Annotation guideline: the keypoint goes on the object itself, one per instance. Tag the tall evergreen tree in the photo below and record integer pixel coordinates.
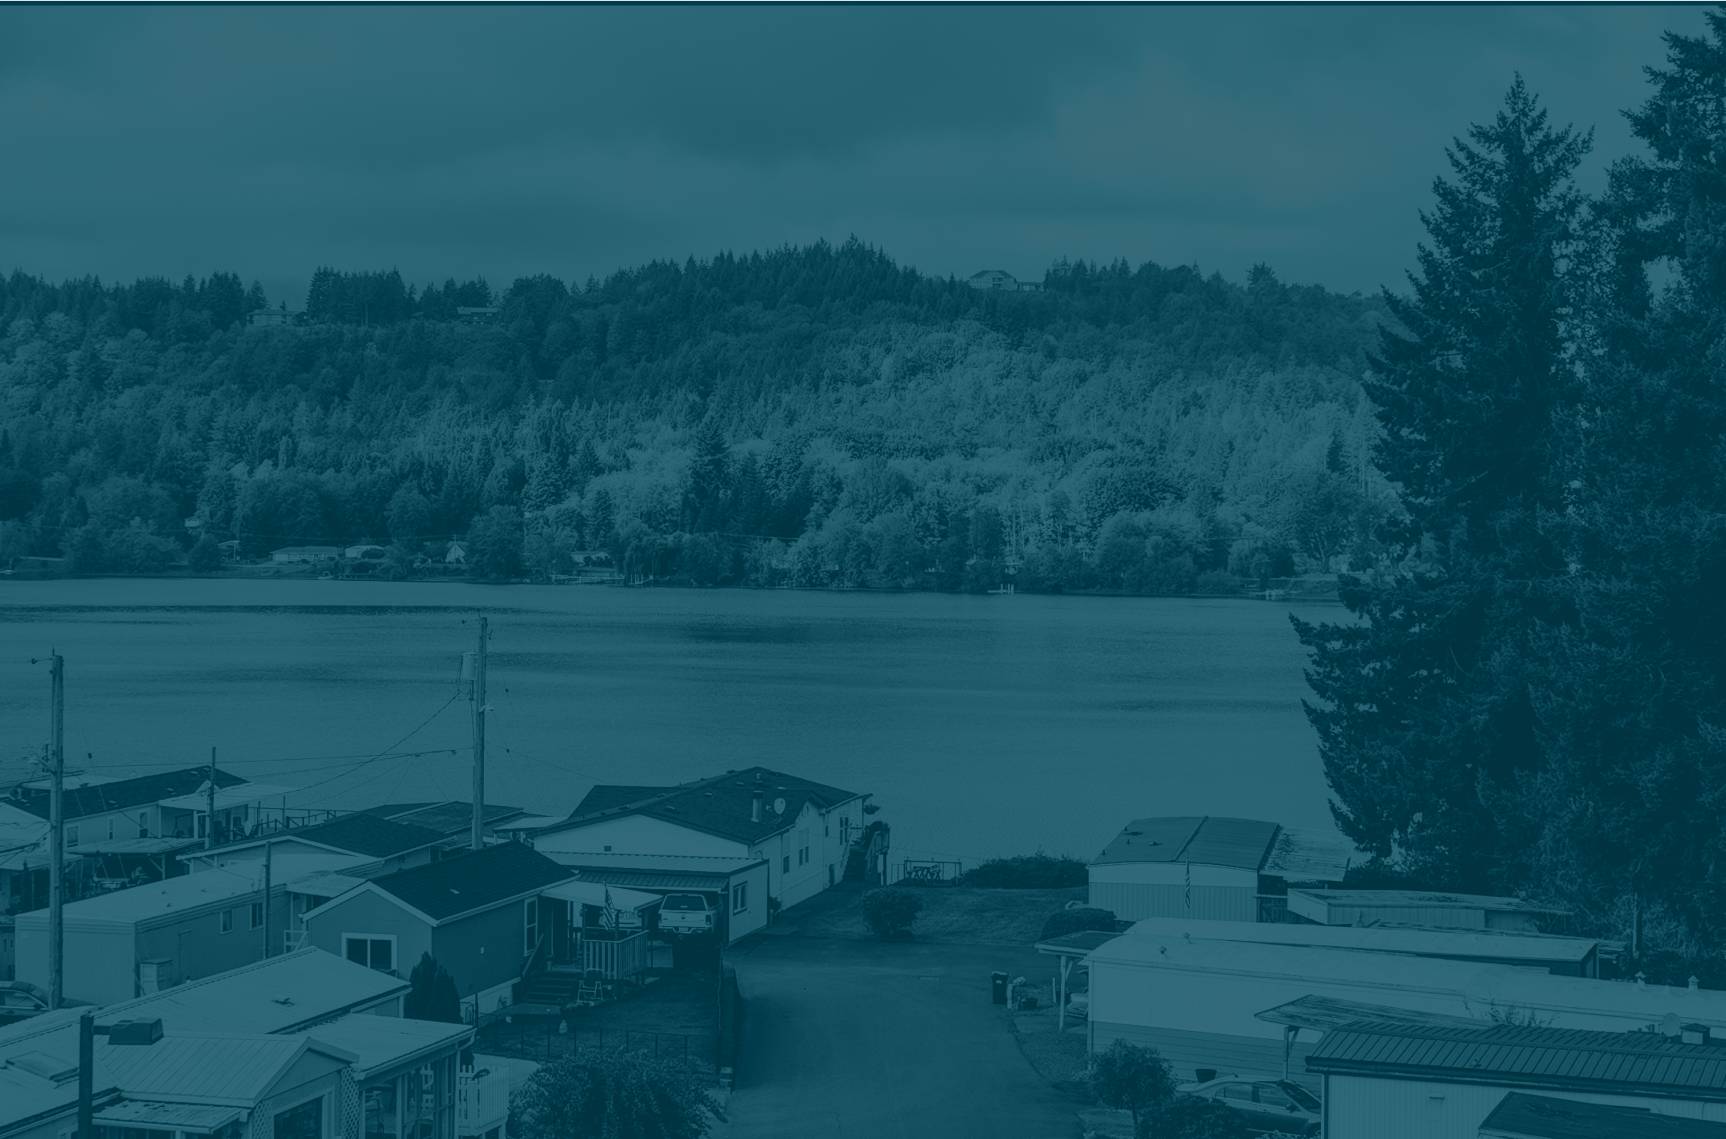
(1423, 713)
(1633, 704)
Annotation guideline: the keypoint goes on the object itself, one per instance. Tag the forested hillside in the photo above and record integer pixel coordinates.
(811, 416)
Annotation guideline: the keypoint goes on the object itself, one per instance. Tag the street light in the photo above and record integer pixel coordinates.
(134, 1032)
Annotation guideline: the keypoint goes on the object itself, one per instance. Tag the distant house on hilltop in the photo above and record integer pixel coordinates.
(476, 313)
(1001, 281)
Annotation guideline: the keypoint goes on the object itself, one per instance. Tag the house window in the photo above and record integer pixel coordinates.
(803, 848)
(143, 824)
(110, 826)
(739, 897)
(530, 925)
(257, 915)
(374, 951)
(71, 834)
(227, 921)
(303, 1122)
(785, 864)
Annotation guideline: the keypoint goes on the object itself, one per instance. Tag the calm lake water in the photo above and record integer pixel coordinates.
(983, 725)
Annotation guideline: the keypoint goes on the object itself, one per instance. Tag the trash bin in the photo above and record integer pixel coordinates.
(998, 984)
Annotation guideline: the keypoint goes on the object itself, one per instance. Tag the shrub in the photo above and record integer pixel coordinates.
(1189, 1117)
(891, 912)
(1063, 922)
(1131, 1078)
(610, 1095)
(1027, 872)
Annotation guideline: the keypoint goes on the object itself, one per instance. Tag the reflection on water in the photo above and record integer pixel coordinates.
(983, 725)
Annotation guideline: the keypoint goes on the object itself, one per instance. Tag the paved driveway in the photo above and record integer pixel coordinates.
(856, 1038)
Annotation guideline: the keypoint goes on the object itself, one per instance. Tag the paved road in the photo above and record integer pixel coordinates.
(853, 1038)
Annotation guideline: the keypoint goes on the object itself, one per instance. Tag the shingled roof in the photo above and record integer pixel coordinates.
(721, 805)
(1610, 1063)
(122, 794)
(472, 881)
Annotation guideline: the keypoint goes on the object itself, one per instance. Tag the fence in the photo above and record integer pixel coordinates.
(926, 872)
(548, 1040)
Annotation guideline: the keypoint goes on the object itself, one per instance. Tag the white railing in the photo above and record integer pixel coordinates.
(293, 939)
(482, 1102)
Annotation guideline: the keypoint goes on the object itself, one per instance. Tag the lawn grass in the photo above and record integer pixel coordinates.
(953, 915)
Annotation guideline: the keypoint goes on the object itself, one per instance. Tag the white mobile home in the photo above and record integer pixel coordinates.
(1418, 907)
(1211, 868)
(1199, 1002)
(134, 941)
(1564, 956)
(1441, 1082)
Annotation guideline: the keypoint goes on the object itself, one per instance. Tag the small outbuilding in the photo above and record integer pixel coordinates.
(1210, 867)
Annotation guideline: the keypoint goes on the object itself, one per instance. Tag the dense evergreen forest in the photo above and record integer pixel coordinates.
(811, 416)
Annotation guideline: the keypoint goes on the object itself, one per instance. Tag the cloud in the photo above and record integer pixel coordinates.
(505, 140)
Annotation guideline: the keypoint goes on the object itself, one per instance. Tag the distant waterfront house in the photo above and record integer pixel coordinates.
(478, 913)
(367, 552)
(304, 555)
(271, 318)
(1210, 867)
(802, 829)
(128, 829)
(477, 313)
(455, 554)
(149, 937)
(1439, 1082)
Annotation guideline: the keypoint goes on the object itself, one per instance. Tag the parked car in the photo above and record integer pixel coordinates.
(19, 1001)
(1266, 1104)
(686, 913)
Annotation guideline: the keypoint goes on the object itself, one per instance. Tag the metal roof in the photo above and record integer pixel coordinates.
(379, 1043)
(275, 995)
(592, 893)
(1426, 899)
(1206, 841)
(236, 796)
(721, 864)
(1607, 1063)
(1305, 854)
(1326, 1013)
(218, 1068)
(169, 1116)
(1075, 944)
(1522, 1116)
(1463, 944)
(165, 900)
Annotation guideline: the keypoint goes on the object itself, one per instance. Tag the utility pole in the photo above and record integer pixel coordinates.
(268, 847)
(57, 838)
(210, 809)
(478, 837)
(86, 1076)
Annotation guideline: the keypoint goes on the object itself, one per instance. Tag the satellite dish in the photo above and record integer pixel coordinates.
(779, 806)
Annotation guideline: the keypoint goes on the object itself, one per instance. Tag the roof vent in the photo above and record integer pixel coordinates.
(136, 1032)
(283, 1001)
(1694, 983)
(1694, 1034)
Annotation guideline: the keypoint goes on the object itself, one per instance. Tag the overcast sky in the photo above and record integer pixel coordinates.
(500, 141)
